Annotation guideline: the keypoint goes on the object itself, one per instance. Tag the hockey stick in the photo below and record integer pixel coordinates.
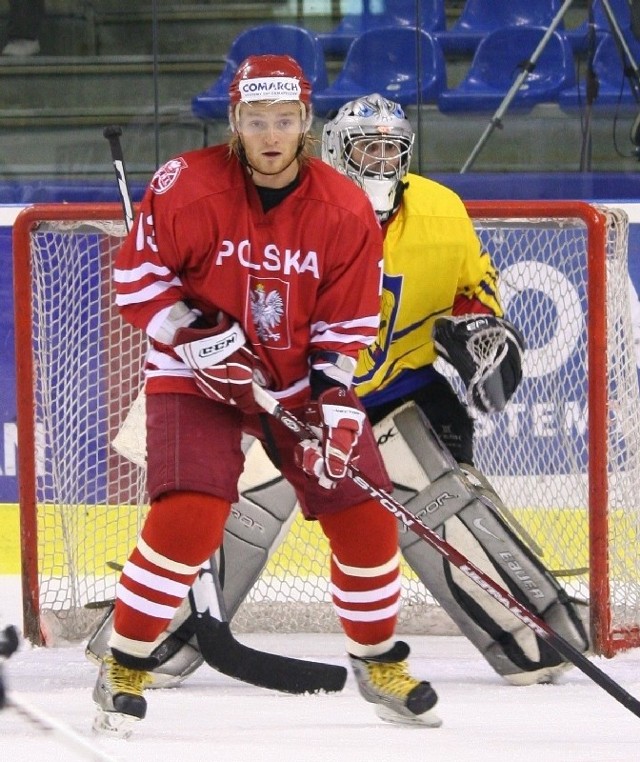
(222, 651)
(63, 733)
(209, 622)
(112, 133)
(217, 643)
(9, 642)
(498, 593)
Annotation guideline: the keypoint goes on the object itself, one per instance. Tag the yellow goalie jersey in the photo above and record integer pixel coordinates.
(433, 266)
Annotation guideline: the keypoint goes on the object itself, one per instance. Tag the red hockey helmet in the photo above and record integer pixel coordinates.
(269, 78)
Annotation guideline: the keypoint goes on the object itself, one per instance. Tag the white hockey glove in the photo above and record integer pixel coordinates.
(487, 352)
(224, 367)
(340, 425)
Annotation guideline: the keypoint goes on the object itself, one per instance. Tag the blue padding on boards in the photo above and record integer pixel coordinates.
(605, 186)
(56, 191)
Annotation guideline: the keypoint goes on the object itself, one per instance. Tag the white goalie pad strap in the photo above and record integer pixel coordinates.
(430, 484)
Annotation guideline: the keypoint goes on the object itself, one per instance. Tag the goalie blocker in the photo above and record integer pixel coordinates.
(456, 501)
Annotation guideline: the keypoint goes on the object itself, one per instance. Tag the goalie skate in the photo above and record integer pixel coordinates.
(118, 697)
(544, 676)
(399, 698)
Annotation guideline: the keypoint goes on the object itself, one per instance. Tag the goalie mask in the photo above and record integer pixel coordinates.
(370, 140)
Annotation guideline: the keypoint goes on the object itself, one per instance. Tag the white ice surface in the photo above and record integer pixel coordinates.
(212, 717)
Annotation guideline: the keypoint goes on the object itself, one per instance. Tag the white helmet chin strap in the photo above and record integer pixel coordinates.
(382, 194)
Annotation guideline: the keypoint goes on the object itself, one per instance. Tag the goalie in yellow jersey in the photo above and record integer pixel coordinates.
(440, 299)
(440, 293)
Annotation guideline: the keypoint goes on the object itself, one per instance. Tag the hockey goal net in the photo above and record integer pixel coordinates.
(564, 456)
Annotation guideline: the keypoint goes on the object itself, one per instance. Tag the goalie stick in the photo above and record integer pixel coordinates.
(476, 575)
(218, 646)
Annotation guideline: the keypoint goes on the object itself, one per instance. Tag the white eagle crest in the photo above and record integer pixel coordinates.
(267, 309)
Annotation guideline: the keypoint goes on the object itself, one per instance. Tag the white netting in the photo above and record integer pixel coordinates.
(87, 368)
(537, 453)
(91, 500)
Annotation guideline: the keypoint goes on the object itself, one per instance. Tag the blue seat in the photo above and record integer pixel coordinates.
(613, 86)
(479, 17)
(385, 61)
(431, 18)
(260, 40)
(622, 13)
(498, 62)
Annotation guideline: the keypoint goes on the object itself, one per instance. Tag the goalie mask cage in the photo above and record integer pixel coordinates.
(564, 456)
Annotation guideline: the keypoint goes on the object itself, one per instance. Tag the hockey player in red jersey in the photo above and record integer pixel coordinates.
(254, 261)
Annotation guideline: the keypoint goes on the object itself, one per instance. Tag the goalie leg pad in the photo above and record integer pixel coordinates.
(258, 523)
(177, 654)
(430, 484)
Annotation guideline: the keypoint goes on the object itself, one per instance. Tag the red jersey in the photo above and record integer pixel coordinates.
(303, 277)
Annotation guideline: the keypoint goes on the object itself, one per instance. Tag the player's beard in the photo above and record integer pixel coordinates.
(257, 162)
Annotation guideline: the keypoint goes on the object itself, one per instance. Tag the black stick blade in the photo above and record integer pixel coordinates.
(224, 653)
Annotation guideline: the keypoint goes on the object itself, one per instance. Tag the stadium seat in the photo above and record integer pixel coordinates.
(499, 61)
(622, 13)
(385, 61)
(431, 18)
(259, 40)
(613, 85)
(479, 17)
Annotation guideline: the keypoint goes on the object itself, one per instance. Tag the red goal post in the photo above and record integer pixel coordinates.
(564, 456)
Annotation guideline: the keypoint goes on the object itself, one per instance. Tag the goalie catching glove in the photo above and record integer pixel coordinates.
(340, 426)
(224, 367)
(487, 353)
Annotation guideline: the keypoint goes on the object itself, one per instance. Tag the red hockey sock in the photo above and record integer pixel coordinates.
(365, 572)
(181, 531)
